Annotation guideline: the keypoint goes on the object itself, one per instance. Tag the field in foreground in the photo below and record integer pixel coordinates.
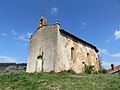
(60, 81)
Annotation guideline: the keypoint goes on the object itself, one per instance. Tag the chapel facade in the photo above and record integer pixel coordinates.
(54, 49)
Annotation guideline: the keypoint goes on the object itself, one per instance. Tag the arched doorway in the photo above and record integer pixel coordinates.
(39, 63)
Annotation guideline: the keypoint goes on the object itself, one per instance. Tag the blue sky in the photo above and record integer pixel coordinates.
(96, 21)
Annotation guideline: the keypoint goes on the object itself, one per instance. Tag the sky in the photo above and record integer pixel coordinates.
(95, 21)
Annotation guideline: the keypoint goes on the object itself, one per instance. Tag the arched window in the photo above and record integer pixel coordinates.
(87, 54)
(41, 20)
(72, 53)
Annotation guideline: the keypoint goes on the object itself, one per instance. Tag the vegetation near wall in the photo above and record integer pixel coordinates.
(60, 81)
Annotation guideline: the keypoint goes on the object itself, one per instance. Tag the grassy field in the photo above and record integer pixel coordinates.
(60, 81)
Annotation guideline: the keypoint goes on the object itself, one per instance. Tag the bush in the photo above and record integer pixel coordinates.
(119, 72)
(52, 72)
(70, 71)
(103, 71)
(88, 69)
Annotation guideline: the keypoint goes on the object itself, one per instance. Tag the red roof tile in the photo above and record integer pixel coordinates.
(117, 68)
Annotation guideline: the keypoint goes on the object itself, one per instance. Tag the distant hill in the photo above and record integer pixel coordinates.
(8, 67)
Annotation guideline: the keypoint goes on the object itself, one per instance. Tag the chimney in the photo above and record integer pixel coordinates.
(112, 66)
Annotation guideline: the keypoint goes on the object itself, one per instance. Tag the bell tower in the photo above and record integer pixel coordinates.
(43, 21)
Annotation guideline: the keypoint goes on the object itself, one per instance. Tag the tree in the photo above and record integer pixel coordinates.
(100, 59)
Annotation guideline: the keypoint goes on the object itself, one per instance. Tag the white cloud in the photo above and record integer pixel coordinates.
(13, 32)
(6, 59)
(23, 37)
(119, 26)
(83, 24)
(108, 64)
(28, 34)
(109, 39)
(106, 52)
(4, 34)
(21, 45)
(54, 11)
(117, 34)
(103, 51)
(116, 55)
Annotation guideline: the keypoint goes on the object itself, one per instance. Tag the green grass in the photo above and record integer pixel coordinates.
(59, 81)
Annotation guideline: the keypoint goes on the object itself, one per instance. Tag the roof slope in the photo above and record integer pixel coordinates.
(76, 38)
(116, 69)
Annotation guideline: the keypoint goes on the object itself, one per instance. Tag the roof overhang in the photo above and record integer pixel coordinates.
(78, 39)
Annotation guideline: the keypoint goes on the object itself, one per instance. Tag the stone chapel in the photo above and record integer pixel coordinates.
(54, 49)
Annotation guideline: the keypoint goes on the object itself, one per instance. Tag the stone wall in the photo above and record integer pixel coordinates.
(43, 41)
(55, 49)
(84, 54)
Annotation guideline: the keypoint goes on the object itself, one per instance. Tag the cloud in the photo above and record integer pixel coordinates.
(116, 55)
(4, 34)
(6, 59)
(119, 26)
(117, 34)
(21, 45)
(83, 24)
(28, 34)
(54, 11)
(103, 51)
(13, 32)
(106, 52)
(109, 39)
(108, 64)
(23, 37)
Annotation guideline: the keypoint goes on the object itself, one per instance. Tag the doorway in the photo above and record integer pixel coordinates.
(39, 64)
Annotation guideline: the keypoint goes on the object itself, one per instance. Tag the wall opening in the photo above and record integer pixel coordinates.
(87, 54)
(39, 63)
(83, 62)
(88, 58)
(41, 21)
(72, 53)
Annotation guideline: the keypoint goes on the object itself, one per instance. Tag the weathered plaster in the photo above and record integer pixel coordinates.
(81, 50)
(56, 47)
(44, 40)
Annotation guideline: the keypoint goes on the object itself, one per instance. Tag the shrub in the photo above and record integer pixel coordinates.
(103, 71)
(119, 72)
(70, 71)
(52, 72)
(88, 69)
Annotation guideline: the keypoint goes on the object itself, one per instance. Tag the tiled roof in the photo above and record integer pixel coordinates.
(117, 68)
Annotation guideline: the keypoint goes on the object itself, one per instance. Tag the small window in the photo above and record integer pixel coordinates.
(83, 62)
(87, 54)
(41, 20)
(72, 53)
